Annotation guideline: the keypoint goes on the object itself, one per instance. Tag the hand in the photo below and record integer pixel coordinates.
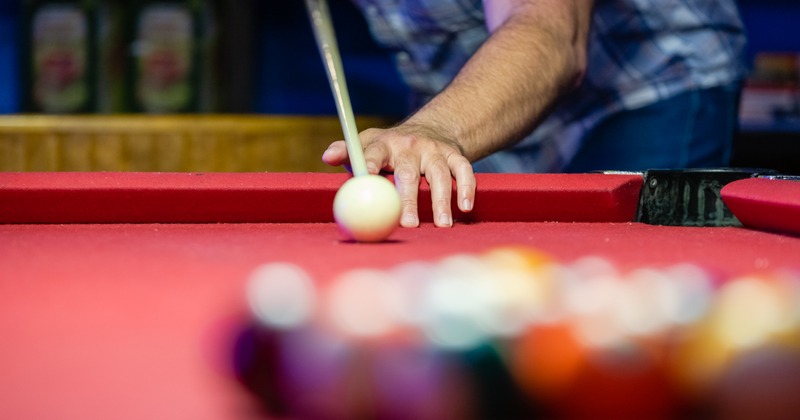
(410, 151)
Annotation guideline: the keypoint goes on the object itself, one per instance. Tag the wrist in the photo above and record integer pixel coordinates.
(439, 126)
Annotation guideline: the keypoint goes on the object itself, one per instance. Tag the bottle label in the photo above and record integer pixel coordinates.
(163, 52)
(60, 42)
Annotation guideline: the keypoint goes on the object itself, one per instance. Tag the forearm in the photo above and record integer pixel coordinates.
(535, 54)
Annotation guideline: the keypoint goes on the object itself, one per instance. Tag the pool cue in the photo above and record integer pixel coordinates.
(326, 41)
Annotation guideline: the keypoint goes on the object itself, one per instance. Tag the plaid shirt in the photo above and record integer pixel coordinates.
(640, 52)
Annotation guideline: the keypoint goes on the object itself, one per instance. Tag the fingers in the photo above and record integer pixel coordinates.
(439, 175)
(336, 154)
(465, 181)
(410, 156)
(376, 155)
(406, 178)
(441, 182)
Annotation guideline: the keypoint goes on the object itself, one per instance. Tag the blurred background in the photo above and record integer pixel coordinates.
(243, 56)
(258, 57)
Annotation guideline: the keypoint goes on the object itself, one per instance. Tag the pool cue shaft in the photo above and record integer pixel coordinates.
(329, 50)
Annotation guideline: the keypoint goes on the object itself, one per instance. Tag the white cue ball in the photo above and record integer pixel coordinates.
(367, 208)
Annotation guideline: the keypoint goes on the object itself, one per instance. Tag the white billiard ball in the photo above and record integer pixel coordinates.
(367, 208)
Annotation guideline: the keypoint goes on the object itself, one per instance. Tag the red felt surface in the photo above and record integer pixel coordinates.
(768, 204)
(124, 197)
(136, 321)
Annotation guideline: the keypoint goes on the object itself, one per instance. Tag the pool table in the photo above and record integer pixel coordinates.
(122, 295)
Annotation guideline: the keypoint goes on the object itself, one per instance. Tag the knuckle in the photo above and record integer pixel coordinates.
(441, 202)
(406, 176)
(370, 136)
(408, 141)
(438, 167)
(466, 184)
(457, 159)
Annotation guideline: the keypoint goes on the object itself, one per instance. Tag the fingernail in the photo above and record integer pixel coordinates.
(371, 168)
(466, 204)
(444, 220)
(409, 220)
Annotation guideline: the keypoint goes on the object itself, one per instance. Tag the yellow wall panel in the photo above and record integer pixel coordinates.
(203, 143)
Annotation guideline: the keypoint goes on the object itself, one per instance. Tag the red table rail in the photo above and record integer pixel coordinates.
(126, 197)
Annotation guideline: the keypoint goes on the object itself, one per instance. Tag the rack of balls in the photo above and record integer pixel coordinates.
(574, 338)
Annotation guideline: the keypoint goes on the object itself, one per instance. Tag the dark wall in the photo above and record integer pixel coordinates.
(9, 94)
(291, 75)
(284, 73)
(773, 25)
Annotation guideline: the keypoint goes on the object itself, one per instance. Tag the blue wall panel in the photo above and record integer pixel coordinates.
(9, 89)
(772, 25)
(291, 78)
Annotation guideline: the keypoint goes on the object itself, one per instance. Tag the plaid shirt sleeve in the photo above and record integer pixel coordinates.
(640, 52)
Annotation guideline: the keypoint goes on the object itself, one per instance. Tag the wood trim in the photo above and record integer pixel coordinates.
(173, 143)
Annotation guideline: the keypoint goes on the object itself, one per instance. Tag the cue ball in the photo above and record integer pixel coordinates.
(367, 208)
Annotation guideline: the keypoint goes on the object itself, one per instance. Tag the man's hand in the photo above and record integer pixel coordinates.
(410, 151)
(536, 52)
